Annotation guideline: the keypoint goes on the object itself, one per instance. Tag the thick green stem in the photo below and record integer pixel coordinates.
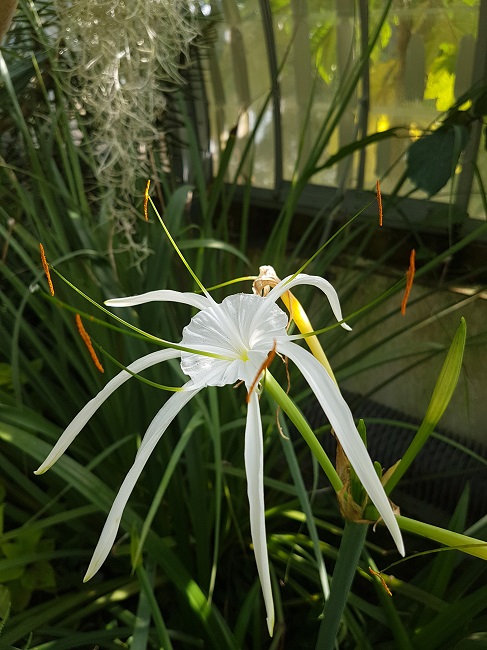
(351, 546)
(299, 421)
(457, 541)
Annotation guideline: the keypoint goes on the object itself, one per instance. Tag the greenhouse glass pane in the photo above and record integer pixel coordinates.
(238, 85)
(422, 62)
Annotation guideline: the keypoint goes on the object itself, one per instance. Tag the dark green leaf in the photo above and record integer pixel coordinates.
(432, 159)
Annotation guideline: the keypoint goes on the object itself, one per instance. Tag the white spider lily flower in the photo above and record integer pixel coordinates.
(239, 332)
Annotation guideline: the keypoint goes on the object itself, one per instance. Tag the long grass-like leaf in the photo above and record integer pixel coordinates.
(440, 399)
(100, 494)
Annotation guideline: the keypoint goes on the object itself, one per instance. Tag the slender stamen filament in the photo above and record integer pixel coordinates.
(87, 341)
(149, 337)
(45, 266)
(178, 251)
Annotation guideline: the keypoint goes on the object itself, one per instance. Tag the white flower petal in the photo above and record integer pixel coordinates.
(92, 406)
(254, 468)
(192, 299)
(206, 371)
(152, 436)
(313, 280)
(341, 420)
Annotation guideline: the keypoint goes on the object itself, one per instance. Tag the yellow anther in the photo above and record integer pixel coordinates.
(45, 266)
(87, 341)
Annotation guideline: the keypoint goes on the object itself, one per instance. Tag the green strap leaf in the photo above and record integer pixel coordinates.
(440, 399)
